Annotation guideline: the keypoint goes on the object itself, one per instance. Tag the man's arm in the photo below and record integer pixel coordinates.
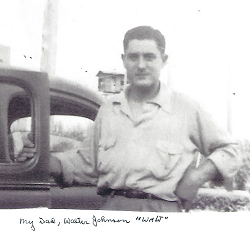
(193, 179)
(221, 152)
(78, 165)
(73, 166)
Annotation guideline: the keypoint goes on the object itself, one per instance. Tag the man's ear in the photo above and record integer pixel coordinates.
(164, 58)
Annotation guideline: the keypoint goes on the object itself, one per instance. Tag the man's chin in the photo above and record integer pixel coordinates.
(143, 85)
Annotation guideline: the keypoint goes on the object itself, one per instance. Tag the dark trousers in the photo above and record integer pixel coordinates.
(143, 205)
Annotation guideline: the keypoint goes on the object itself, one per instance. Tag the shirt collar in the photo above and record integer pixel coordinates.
(163, 99)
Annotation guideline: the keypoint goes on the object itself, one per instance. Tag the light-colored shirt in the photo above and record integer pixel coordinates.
(151, 153)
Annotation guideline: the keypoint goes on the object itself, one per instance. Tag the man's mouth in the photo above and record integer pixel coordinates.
(141, 75)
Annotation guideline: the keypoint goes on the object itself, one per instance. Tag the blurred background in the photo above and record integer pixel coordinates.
(207, 43)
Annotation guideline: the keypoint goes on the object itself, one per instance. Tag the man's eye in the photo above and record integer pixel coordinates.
(149, 57)
(133, 57)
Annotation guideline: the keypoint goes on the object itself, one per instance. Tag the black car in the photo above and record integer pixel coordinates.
(30, 132)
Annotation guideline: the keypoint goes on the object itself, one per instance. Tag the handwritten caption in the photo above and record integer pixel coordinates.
(94, 221)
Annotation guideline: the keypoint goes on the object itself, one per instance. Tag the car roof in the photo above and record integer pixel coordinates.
(62, 85)
(58, 84)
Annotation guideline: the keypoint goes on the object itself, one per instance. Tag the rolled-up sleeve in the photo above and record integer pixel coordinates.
(79, 165)
(217, 145)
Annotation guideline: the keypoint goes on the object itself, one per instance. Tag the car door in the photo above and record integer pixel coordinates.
(34, 115)
(25, 184)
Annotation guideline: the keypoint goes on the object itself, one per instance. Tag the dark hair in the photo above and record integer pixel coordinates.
(145, 33)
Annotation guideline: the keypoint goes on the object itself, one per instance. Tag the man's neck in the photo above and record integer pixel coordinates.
(143, 94)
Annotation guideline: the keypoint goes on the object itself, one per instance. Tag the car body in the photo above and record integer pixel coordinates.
(28, 184)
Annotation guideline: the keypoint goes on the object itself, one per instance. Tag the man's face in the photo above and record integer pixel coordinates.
(143, 62)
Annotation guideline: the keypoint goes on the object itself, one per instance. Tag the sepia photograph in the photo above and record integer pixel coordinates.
(124, 114)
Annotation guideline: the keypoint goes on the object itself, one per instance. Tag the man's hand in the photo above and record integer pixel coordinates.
(187, 188)
(26, 154)
(192, 180)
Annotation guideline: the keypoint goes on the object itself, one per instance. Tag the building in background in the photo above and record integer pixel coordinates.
(4, 55)
(111, 82)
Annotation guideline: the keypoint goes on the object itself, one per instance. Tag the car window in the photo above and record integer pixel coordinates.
(20, 137)
(15, 103)
(69, 132)
(66, 133)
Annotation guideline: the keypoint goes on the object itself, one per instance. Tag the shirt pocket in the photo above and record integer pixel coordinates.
(169, 155)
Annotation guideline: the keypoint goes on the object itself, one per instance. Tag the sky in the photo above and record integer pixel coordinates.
(207, 44)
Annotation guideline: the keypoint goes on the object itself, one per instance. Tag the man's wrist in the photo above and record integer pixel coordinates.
(205, 172)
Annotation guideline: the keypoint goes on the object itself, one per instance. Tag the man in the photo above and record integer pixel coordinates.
(146, 139)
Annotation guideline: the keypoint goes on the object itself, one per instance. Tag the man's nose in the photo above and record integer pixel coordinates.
(141, 63)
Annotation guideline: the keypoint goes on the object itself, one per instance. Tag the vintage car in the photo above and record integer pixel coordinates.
(31, 103)
(42, 117)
